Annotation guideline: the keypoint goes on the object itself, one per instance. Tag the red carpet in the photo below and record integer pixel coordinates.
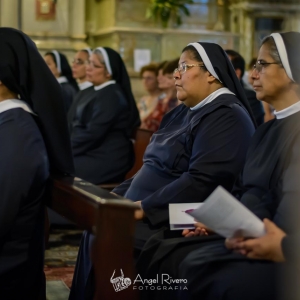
(60, 257)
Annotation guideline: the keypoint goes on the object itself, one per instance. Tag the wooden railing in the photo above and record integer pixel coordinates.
(111, 219)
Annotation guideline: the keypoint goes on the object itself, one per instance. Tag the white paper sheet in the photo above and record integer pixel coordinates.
(142, 57)
(225, 215)
(179, 219)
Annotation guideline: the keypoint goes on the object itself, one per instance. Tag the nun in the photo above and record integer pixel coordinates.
(101, 138)
(268, 187)
(104, 122)
(79, 64)
(86, 88)
(200, 144)
(60, 68)
(34, 143)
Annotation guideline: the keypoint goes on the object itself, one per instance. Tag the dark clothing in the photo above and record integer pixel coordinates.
(216, 273)
(290, 245)
(255, 105)
(80, 98)
(269, 183)
(269, 188)
(223, 68)
(120, 75)
(69, 93)
(102, 149)
(23, 71)
(191, 154)
(25, 169)
(83, 279)
(30, 147)
(188, 157)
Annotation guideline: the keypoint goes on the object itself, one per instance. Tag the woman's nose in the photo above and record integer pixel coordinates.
(254, 74)
(176, 75)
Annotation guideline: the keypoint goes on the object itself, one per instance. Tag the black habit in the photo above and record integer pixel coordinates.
(269, 187)
(32, 145)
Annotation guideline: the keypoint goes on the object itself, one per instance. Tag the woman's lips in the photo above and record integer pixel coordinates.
(255, 87)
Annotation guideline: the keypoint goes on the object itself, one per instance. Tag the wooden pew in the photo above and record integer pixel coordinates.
(111, 219)
(141, 139)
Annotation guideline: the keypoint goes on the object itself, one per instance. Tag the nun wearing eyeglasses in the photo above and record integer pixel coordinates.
(86, 88)
(34, 142)
(200, 144)
(104, 122)
(60, 68)
(269, 188)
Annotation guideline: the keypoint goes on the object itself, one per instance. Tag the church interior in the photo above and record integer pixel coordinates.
(90, 217)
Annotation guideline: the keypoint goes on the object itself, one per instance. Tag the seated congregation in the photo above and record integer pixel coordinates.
(212, 134)
(207, 140)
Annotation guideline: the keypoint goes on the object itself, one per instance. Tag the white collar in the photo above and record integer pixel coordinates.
(287, 111)
(211, 97)
(14, 103)
(103, 85)
(62, 79)
(84, 85)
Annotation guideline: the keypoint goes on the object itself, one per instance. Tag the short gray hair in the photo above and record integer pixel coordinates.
(100, 56)
(269, 41)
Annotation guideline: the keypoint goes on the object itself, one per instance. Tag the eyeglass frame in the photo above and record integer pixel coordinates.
(91, 64)
(261, 65)
(79, 62)
(184, 67)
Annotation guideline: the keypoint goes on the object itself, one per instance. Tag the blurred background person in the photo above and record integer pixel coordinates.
(103, 124)
(86, 88)
(60, 68)
(238, 63)
(101, 138)
(167, 100)
(79, 64)
(148, 102)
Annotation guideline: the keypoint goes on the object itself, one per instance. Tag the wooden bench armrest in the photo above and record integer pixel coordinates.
(110, 218)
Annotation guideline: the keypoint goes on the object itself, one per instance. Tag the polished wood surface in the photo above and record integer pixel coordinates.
(141, 140)
(111, 219)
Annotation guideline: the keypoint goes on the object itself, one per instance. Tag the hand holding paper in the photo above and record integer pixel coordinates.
(179, 219)
(225, 215)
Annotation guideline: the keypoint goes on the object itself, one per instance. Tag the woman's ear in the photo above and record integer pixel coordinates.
(108, 75)
(210, 78)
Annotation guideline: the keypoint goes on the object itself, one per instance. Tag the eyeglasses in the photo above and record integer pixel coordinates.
(92, 65)
(184, 67)
(260, 65)
(78, 62)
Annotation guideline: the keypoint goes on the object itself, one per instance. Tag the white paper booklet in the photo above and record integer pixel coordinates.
(225, 215)
(178, 217)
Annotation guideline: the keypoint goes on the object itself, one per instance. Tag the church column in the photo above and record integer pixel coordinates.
(9, 13)
(77, 23)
